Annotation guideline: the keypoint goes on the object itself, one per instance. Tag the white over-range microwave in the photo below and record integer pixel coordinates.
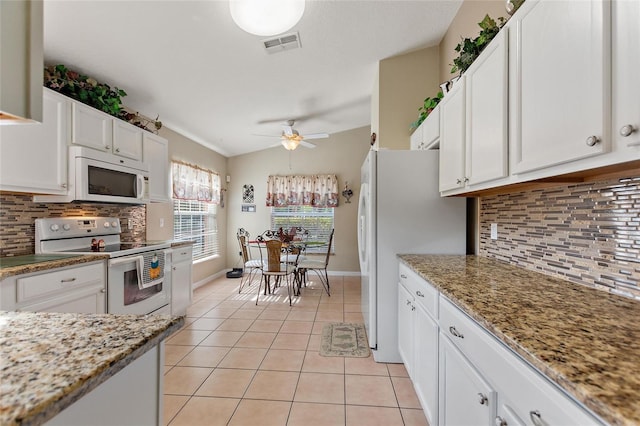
(102, 177)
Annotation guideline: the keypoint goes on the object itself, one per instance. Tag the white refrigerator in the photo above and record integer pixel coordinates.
(400, 211)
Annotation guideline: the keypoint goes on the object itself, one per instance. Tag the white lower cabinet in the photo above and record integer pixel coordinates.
(418, 338)
(467, 398)
(464, 375)
(181, 293)
(132, 397)
(77, 289)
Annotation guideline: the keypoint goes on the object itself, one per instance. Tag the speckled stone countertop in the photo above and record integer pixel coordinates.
(586, 340)
(50, 360)
(17, 265)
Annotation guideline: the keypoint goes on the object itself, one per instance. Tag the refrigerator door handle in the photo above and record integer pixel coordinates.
(362, 226)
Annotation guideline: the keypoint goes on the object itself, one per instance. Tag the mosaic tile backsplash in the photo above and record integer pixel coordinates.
(586, 233)
(18, 213)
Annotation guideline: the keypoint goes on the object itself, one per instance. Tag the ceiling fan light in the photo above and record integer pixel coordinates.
(266, 17)
(290, 144)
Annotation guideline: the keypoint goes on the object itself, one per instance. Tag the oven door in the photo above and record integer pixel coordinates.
(127, 292)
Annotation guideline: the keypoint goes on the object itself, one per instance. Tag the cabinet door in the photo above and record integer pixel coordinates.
(181, 294)
(416, 138)
(127, 140)
(626, 84)
(155, 152)
(90, 127)
(486, 119)
(466, 398)
(560, 83)
(425, 371)
(452, 138)
(34, 155)
(405, 327)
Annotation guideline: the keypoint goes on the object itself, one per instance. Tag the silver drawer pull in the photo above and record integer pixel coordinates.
(419, 293)
(408, 302)
(626, 130)
(592, 140)
(536, 418)
(482, 399)
(501, 422)
(403, 276)
(67, 280)
(455, 332)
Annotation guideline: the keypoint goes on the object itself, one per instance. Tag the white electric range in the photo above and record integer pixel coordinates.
(138, 273)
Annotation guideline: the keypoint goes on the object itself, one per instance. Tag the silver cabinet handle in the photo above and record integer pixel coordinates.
(107, 147)
(117, 149)
(482, 399)
(403, 276)
(103, 290)
(419, 293)
(458, 181)
(64, 185)
(592, 140)
(67, 280)
(626, 130)
(408, 302)
(455, 332)
(413, 308)
(536, 418)
(466, 179)
(174, 268)
(500, 421)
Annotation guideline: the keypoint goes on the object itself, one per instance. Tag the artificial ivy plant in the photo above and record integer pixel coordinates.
(469, 49)
(428, 105)
(97, 95)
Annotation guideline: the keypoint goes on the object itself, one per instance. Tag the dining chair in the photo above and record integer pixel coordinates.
(318, 266)
(297, 238)
(270, 252)
(252, 266)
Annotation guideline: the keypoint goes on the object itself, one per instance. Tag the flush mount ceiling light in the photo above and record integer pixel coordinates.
(266, 17)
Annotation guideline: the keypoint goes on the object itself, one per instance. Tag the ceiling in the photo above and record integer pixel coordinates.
(207, 79)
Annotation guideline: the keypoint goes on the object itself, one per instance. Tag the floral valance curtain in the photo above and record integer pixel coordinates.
(195, 183)
(314, 190)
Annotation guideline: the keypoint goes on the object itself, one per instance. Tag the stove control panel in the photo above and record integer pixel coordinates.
(68, 227)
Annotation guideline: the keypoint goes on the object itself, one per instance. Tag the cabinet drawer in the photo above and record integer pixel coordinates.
(181, 254)
(463, 332)
(61, 280)
(424, 293)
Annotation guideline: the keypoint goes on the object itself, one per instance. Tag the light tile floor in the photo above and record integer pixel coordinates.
(235, 363)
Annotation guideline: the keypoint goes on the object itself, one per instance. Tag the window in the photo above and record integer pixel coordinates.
(196, 194)
(196, 221)
(317, 220)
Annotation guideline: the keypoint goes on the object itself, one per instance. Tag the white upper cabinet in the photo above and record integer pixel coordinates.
(34, 155)
(487, 114)
(127, 140)
(452, 138)
(98, 130)
(22, 60)
(428, 133)
(560, 100)
(626, 84)
(155, 152)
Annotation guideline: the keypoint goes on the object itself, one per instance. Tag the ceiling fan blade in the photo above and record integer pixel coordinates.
(266, 136)
(307, 144)
(316, 136)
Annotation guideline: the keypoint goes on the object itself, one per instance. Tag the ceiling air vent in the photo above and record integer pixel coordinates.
(285, 42)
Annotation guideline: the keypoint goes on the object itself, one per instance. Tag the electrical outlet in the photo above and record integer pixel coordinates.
(494, 231)
(130, 223)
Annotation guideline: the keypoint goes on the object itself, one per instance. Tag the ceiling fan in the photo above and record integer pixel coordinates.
(291, 138)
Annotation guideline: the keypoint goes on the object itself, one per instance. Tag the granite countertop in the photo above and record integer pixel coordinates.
(585, 340)
(17, 265)
(50, 360)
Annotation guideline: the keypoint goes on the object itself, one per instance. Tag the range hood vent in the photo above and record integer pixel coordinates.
(282, 43)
